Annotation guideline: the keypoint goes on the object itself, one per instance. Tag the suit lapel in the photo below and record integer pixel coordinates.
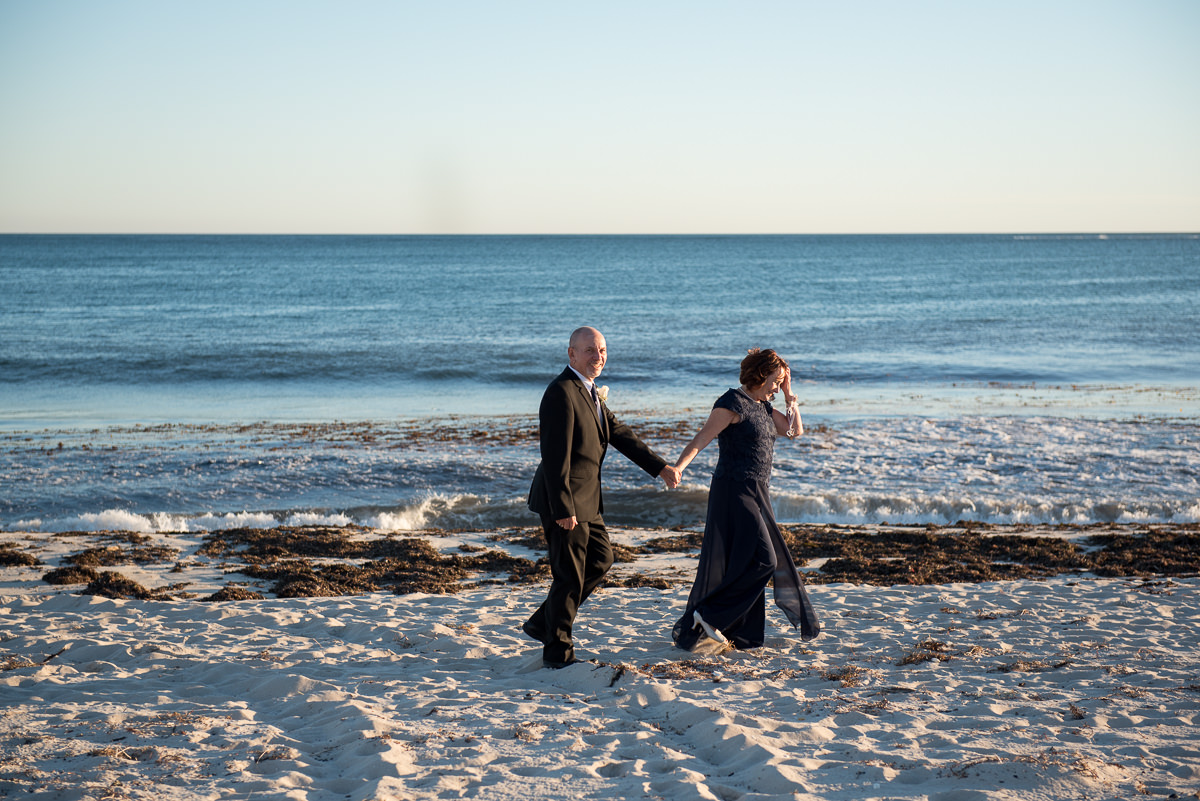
(587, 399)
(603, 424)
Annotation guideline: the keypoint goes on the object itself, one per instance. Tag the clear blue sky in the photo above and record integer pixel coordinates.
(612, 117)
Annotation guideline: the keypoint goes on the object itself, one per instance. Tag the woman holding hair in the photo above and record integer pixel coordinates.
(743, 549)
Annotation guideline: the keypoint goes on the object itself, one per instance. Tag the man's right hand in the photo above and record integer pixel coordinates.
(671, 476)
(567, 523)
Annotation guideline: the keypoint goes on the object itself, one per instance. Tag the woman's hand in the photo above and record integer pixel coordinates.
(671, 476)
(786, 386)
(788, 424)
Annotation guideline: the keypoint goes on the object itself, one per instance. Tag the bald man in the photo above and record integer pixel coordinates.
(576, 430)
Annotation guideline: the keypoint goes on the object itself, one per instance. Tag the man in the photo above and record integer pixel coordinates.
(576, 430)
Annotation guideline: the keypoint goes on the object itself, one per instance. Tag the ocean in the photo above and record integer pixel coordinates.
(201, 382)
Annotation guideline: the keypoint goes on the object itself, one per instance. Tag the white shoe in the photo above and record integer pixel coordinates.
(709, 630)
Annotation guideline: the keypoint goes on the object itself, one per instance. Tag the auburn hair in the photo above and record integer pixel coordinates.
(758, 365)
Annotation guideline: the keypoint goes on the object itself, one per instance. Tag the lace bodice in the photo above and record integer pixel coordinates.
(746, 447)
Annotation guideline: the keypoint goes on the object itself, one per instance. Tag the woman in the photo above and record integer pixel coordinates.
(743, 549)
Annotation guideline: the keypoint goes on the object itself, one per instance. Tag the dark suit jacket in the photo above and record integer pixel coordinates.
(574, 442)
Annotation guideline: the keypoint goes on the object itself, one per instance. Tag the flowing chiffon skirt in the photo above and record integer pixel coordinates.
(742, 552)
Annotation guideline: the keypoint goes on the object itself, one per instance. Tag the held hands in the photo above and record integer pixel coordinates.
(671, 476)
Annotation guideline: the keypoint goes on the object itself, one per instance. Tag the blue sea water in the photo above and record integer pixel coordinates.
(205, 381)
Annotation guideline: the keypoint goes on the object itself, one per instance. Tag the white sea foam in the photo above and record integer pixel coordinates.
(125, 520)
(438, 510)
(899, 470)
(414, 516)
(221, 522)
(865, 508)
(317, 519)
(651, 507)
(114, 519)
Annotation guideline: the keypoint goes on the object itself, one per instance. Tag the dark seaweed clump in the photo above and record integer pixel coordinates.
(290, 558)
(532, 538)
(110, 555)
(638, 580)
(71, 575)
(676, 543)
(309, 561)
(232, 592)
(1154, 552)
(930, 555)
(10, 556)
(114, 585)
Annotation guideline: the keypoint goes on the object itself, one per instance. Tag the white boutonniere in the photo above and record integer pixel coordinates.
(602, 394)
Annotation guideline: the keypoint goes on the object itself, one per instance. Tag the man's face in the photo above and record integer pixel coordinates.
(588, 353)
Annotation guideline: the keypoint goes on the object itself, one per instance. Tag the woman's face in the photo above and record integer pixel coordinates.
(769, 387)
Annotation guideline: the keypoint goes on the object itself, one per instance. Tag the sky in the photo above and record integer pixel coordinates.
(457, 117)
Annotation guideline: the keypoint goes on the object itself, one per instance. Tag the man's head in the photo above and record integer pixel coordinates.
(587, 351)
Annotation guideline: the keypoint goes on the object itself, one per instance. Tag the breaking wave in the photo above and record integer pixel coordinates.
(651, 508)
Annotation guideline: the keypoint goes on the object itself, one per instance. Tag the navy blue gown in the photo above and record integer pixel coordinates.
(742, 548)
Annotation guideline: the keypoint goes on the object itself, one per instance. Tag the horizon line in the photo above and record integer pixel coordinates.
(1097, 233)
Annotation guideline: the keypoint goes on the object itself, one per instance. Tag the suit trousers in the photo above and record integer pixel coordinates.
(579, 560)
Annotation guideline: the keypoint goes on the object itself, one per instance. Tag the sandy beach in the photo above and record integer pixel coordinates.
(265, 665)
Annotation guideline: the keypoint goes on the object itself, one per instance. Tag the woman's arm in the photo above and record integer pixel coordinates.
(717, 422)
(788, 424)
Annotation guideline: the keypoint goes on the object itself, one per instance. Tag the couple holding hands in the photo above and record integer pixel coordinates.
(742, 549)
